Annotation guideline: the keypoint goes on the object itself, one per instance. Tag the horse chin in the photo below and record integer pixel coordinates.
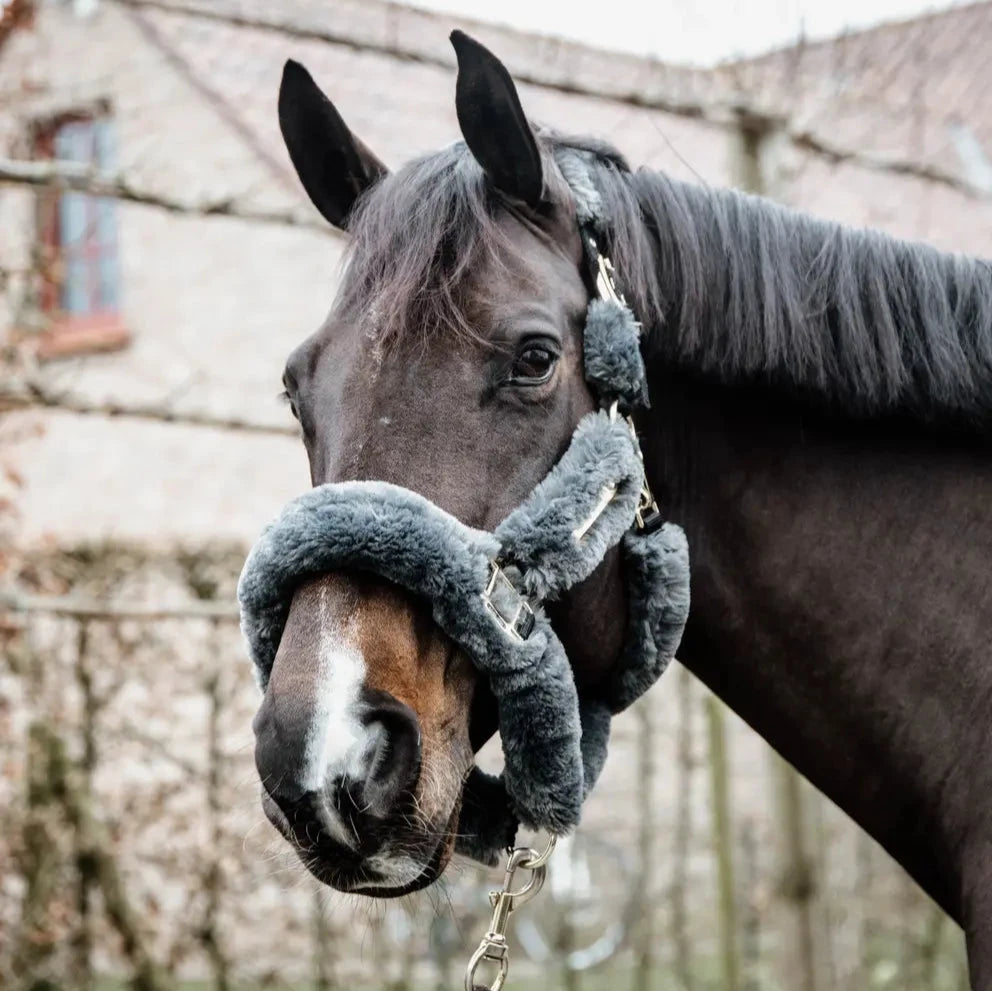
(379, 875)
(432, 869)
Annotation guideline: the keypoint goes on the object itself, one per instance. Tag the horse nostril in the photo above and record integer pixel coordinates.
(392, 755)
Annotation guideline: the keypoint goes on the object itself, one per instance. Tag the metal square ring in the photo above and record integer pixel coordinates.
(512, 612)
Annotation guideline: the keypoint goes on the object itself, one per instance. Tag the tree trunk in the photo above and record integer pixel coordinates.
(754, 170)
(723, 842)
(213, 879)
(40, 866)
(82, 941)
(796, 884)
(751, 926)
(681, 932)
(322, 955)
(647, 830)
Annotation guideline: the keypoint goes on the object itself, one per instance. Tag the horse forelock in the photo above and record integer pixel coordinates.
(416, 236)
(420, 234)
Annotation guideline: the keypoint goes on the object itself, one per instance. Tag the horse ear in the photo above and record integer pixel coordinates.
(334, 166)
(493, 122)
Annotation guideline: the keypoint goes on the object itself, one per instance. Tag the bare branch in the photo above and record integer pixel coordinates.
(81, 178)
(34, 395)
(806, 140)
(77, 608)
(546, 73)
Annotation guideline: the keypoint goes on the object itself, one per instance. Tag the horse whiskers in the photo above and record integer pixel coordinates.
(439, 778)
(293, 866)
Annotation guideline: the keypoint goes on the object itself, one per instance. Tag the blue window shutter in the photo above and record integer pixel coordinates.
(87, 226)
(105, 150)
(107, 278)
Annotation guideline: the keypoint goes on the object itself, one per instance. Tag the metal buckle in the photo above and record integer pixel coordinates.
(517, 622)
(647, 516)
(605, 498)
(606, 283)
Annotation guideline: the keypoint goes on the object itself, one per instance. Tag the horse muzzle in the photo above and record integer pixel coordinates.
(349, 776)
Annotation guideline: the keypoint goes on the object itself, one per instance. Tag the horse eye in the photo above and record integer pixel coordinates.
(533, 365)
(286, 397)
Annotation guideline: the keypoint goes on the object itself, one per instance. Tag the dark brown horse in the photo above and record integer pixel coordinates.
(821, 418)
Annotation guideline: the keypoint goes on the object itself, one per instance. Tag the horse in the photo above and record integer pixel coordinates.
(821, 405)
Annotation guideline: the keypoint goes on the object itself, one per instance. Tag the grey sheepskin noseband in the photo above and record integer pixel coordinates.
(486, 589)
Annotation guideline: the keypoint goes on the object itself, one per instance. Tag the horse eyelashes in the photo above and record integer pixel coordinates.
(285, 397)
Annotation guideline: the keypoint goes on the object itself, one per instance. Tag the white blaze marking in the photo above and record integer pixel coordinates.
(337, 740)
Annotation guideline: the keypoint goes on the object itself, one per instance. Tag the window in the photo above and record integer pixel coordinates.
(78, 233)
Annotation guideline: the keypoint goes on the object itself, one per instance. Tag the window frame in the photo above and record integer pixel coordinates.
(99, 327)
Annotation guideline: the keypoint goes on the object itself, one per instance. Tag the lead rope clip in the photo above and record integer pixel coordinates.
(494, 950)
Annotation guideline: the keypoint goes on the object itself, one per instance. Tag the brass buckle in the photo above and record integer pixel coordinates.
(518, 621)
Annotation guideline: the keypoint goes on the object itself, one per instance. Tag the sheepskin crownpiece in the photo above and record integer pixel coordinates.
(486, 589)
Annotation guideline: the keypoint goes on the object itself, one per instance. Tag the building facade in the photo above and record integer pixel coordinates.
(142, 444)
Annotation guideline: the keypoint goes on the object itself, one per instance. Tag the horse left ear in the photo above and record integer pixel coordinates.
(334, 166)
(493, 122)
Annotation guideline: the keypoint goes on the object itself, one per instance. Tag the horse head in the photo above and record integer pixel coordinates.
(450, 364)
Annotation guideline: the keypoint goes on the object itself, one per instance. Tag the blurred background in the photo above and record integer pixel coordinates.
(157, 263)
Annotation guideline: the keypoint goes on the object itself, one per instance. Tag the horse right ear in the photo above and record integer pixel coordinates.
(493, 122)
(334, 166)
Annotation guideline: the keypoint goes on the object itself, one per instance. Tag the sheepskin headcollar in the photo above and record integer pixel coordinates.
(487, 589)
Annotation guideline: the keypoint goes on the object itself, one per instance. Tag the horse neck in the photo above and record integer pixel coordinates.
(828, 608)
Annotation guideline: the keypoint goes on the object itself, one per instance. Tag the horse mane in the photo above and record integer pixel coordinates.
(743, 290)
(728, 285)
